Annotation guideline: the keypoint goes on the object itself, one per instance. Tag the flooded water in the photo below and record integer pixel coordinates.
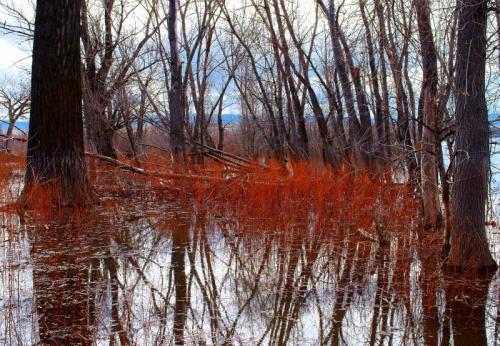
(139, 273)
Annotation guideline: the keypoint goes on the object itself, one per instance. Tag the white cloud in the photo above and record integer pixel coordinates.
(12, 58)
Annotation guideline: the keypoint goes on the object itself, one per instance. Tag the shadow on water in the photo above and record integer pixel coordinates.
(137, 274)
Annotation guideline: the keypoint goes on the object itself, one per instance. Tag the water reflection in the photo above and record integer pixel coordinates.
(62, 293)
(138, 274)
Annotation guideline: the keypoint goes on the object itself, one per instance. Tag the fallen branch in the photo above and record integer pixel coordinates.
(119, 164)
(8, 139)
(225, 161)
(129, 168)
(218, 152)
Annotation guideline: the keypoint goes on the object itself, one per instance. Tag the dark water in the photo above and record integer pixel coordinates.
(142, 274)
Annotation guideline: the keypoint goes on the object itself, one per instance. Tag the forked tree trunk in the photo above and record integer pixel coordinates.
(55, 147)
(97, 92)
(431, 119)
(469, 245)
(175, 106)
(99, 133)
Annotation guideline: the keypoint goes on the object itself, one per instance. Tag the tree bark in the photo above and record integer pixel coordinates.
(175, 105)
(55, 146)
(100, 133)
(469, 245)
(431, 119)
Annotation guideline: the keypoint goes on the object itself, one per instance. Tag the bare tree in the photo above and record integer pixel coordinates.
(110, 53)
(469, 245)
(176, 106)
(430, 117)
(55, 147)
(355, 130)
(15, 100)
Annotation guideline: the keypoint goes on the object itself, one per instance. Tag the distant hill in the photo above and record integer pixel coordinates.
(233, 118)
(495, 132)
(22, 124)
(230, 118)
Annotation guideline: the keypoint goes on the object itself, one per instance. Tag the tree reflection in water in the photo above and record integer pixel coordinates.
(137, 274)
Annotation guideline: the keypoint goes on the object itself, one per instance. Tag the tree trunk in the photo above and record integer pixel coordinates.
(97, 93)
(100, 135)
(175, 105)
(466, 303)
(366, 145)
(402, 129)
(497, 14)
(130, 132)
(220, 126)
(340, 65)
(55, 147)
(10, 129)
(469, 245)
(180, 238)
(295, 104)
(430, 115)
(379, 109)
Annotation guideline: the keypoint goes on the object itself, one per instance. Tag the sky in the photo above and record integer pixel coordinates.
(15, 59)
(14, 53)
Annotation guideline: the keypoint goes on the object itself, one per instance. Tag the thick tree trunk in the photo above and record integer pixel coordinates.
(55, 146)
(99, 132)
(175, 105)
(469, 245)
(100, 136)
(431, 118)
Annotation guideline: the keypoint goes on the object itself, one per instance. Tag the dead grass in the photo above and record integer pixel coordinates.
(271, 198)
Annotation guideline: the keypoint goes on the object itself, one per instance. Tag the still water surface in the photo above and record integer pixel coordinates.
(135, 273)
